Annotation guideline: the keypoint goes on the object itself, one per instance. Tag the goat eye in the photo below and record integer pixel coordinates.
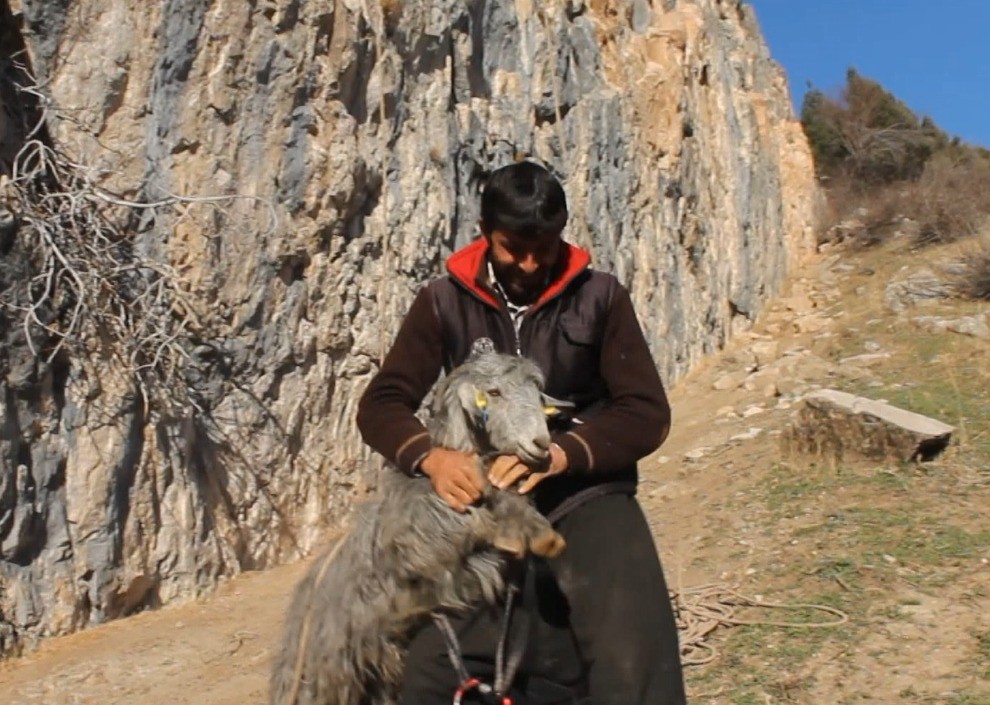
(493, 393)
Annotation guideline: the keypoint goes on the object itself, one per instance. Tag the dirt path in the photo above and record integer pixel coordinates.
(206, 652)
(723, 508)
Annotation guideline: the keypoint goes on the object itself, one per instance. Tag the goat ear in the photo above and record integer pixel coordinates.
(472, 399)
(555, 407)
(512, 545)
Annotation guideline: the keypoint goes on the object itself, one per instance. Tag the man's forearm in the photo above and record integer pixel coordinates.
(386, 414)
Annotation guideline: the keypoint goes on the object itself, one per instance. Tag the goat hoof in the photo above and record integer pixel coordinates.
(548, 545)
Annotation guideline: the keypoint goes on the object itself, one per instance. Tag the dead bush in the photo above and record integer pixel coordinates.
(947, 203)
(862, 213)
(951, 200)
(971, 271)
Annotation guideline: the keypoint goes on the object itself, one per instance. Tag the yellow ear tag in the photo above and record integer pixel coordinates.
(480, 400)
(550, 410)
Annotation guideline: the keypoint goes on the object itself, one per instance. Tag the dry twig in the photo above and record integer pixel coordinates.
(92, 288)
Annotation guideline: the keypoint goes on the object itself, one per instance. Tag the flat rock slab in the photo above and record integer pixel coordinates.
(922, 285)
(840, 425)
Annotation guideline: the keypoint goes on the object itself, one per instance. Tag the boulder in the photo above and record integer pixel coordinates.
(841, 425)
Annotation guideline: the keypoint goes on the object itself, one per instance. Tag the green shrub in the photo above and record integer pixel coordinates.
(867, 134)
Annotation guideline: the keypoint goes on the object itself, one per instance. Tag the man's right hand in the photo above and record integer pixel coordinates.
(455, 476)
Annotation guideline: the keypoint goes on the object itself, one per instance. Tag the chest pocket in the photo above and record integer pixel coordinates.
(578, 332)
(578, 351)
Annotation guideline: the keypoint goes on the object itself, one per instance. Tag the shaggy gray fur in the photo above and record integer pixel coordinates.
(408, 554)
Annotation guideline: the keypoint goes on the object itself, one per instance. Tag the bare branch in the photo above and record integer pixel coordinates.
(90, 281)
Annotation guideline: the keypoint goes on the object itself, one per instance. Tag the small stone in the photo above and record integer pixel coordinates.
(749, 435)
(792, 387)
(765, 352)
(866, 359)
(800, 303)
(753, 411)
(729, 381)
(810, 324)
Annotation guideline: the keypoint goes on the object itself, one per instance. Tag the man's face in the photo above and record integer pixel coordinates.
(523, 265)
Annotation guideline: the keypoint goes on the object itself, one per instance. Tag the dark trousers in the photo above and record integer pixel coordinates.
(597, 621)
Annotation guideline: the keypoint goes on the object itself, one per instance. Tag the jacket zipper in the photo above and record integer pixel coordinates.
(515, 331)
(507, 317)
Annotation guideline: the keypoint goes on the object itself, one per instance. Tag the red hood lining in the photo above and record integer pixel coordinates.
(467, 266)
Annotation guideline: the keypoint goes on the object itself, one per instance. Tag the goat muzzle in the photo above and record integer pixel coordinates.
(548, 545)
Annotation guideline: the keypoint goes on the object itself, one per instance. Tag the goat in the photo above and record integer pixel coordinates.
(409, 555)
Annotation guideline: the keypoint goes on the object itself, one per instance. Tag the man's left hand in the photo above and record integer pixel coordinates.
(507, 470)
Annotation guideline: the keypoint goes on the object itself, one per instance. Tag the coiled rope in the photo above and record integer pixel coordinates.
(701, 610)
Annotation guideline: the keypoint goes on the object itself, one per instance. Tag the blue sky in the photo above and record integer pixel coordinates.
(934, 56)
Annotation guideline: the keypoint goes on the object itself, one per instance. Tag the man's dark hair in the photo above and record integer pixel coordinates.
(523, 199)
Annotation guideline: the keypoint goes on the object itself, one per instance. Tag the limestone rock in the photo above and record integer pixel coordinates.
(811, 323)
(838, 425)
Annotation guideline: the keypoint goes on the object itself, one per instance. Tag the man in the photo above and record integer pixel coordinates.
(601, 619)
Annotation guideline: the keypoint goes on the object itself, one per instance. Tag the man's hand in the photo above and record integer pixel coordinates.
(454, 476)
(507, 470)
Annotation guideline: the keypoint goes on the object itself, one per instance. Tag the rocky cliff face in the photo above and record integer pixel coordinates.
(351, 137)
